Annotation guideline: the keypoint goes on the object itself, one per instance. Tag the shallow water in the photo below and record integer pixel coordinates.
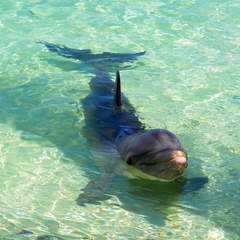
(188, 83)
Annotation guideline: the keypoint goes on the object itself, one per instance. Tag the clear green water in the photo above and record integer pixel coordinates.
(188, 82)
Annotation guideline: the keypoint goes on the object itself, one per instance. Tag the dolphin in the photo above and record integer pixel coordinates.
(157, 153)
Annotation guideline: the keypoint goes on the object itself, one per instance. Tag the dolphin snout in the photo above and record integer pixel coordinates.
(180, 158)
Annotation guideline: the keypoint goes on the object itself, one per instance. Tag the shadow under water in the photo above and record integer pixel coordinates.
(38, 119)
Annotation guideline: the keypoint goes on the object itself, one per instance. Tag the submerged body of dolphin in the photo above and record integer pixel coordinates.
(110, 117)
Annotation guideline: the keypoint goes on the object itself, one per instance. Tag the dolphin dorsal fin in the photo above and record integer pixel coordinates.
(117, 91)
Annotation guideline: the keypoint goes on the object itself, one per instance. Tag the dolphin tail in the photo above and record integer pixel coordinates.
(117, 90)
(66, 52)
(89, 58)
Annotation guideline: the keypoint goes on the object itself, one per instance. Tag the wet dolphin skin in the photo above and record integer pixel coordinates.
(110, 116)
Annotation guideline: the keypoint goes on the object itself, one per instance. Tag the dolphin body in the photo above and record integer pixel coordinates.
(111, 117)
(111, 124)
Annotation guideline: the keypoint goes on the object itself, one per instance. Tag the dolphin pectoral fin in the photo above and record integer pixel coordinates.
(92, 196)
(193, 184)
(117, 91)
(96, 190)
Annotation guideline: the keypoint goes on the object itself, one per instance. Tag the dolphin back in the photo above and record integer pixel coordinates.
(107, 111)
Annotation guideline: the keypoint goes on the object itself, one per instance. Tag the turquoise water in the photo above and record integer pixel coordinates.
(188, 83)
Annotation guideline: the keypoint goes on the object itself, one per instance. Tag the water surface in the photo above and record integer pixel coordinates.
(188, 83)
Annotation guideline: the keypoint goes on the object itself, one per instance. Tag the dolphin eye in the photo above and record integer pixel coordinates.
(136, 159)
(129, 161)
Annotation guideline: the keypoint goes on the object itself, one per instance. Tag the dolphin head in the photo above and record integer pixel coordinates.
(156, 152)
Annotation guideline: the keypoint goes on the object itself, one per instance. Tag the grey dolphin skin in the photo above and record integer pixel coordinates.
(110, 117)
(156, 152)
